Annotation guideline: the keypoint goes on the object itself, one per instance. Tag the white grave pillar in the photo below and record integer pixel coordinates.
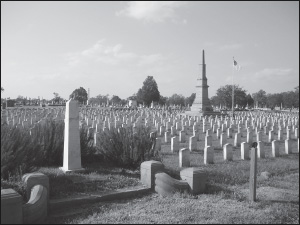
(237, 139)
(209, 155)
(174, 144)
(260, 150)
(275, 148)
(244, 151)
(192, 143)
(72, 152)
(184, 157)
(227, 152)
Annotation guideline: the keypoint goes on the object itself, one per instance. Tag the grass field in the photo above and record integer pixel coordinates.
(225, 199)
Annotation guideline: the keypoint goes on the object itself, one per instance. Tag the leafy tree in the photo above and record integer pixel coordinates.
(176, 99)
(139, 97)
(249, 100)
(290, 99)
(190, 100)
(163, 100)
(274, 100)
(215, 101)
(224, 96)
(80, 95)
(2, 89)
(296, 97)
(21, 99)
(57, 98)
(149, 92)
(132, 97)
(116, 99)
(260, 98)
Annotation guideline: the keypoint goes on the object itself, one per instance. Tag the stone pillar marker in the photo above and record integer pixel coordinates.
(184, 157)
(174, 144)
(208, 155)
(253, 171)
(237, 139)
(72, 152)
(227, 152)
(260, 150)
(244, 151)
(275, 148)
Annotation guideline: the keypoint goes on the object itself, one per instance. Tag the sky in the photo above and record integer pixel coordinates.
(111, 47)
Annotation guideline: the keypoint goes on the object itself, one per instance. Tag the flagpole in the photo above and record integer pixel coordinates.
(232, 90)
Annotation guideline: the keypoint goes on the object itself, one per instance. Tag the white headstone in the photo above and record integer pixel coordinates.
(227, 152)
(209, 154)
(184, 157)
(260, 150)
(174, 144)
(192, 143)
(72, 152)
(288, 146)
(237, 139)
(275, 148)
(244, 151)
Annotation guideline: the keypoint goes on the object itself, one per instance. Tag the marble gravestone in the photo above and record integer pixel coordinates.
(72, 151)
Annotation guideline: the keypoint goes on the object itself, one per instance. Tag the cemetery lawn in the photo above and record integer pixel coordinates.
(96, 178)
(226, 199)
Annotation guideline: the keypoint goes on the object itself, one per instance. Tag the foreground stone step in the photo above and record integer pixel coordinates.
(57, 205)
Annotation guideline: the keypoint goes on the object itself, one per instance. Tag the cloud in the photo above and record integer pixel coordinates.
(111, 55)
(231, 46)
(100, 52)
(273, 73)
(152, 11)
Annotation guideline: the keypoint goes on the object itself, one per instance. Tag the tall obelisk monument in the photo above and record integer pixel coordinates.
(201, 103)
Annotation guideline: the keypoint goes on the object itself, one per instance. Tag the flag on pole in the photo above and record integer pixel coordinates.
(236, 66)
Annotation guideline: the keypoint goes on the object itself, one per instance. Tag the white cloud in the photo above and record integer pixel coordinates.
(152, 11)
(111, 55)
(273, 73)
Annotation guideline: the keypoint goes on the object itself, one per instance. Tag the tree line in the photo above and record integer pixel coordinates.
(149, 93)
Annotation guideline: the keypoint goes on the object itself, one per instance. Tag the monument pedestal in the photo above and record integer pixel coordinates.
(71, 170)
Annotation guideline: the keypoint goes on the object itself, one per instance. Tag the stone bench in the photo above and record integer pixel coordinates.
(192, 179)
(35, 210)
(166, 185)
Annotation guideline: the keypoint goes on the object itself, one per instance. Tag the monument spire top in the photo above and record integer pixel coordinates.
(203, 57)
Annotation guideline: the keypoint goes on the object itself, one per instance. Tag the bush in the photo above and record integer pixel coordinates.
(50, 137)
(15, 182)
(18, 151)
(128, 147)
(44, 147)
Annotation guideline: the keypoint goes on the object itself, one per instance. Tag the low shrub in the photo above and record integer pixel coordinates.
(128, 147)
(42, 146)
(18, 151)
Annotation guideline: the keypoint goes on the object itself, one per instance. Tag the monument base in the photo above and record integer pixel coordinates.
(202, 113)
(72, 171)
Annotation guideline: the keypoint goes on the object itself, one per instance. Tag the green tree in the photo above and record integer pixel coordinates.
(260, 98)
(80, 95)
(139, 97)
(224, 95)
(149, 92)
(116, 99)
(176, 99)
(290, 99)
(190, 100)
(2, 89)
(250, 100)
(215, 101)
(163, 100)
(57, 98)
